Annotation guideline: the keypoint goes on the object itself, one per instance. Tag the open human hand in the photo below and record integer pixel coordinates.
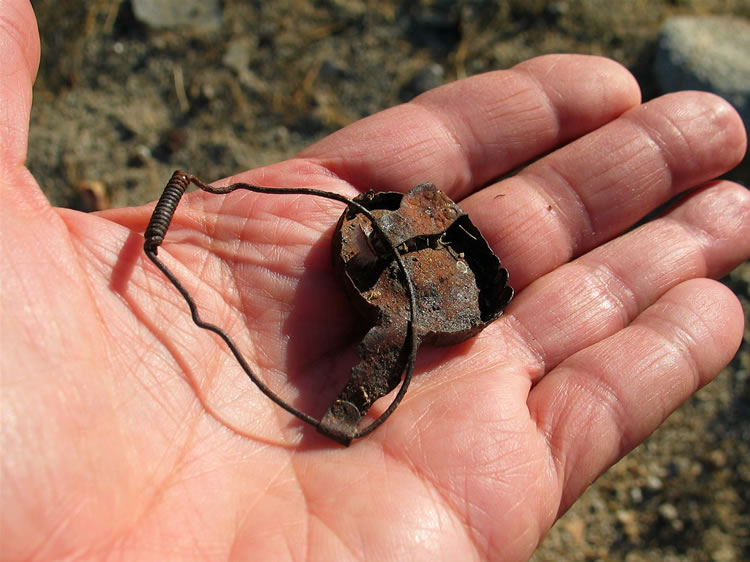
(129, 432)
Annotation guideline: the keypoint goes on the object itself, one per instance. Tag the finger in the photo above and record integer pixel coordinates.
(606, 399)
(596, 187)
(464, 134)
(19, 51)
(601, 292)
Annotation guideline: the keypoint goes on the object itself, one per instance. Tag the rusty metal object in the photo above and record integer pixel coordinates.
(413, 264)
(459, 282)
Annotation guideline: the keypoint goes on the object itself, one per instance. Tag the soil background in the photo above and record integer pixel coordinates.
(119, 105)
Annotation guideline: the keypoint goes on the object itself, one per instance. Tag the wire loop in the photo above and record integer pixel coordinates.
(154, 237)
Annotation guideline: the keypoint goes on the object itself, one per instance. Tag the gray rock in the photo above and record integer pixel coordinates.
(706, 53)
(170, 14)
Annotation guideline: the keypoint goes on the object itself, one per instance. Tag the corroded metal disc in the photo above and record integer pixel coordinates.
(460, 287)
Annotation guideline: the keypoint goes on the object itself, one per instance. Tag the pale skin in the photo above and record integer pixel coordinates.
(128, 432)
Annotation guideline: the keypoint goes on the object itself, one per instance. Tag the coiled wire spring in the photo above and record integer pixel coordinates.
(164, 210)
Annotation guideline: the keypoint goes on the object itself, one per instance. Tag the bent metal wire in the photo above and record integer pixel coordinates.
(157, 230)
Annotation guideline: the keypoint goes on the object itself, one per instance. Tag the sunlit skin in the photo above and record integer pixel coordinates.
(129, 433)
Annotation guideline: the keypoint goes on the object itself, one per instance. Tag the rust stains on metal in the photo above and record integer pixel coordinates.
(459, 282)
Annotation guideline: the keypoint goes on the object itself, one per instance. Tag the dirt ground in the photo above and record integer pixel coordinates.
(119, 106)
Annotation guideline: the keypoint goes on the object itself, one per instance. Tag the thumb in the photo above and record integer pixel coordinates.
(19, 51)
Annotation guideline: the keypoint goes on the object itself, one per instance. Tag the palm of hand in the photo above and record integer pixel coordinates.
(178, 431)
(151, 439)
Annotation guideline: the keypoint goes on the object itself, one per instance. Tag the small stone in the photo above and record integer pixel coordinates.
(629, 522)
(208, 91)
(636, 494)
(625, 516)
(654, 482)
(140, 155)
(668, 511)
(202, 15)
